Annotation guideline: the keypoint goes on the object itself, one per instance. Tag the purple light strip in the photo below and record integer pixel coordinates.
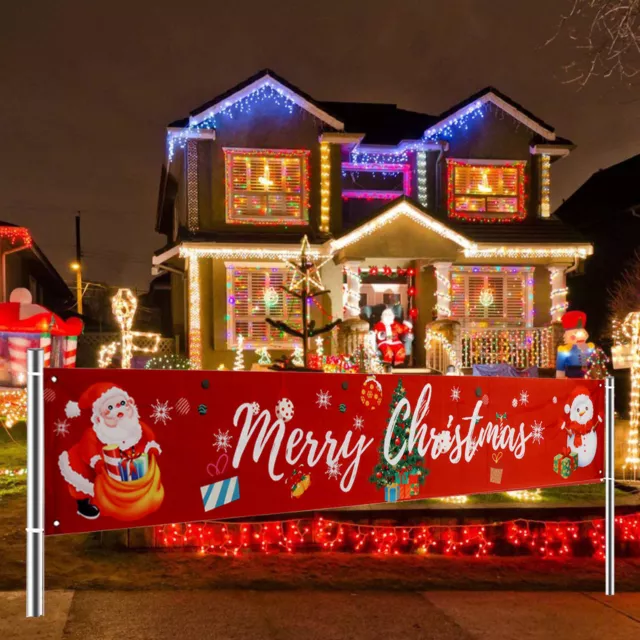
(371, 195)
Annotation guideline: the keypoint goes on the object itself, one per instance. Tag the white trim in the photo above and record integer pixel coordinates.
(486, 162)
(77, 481)
(231, 251)
(166, 255)
(401, 209)
(192, 134)
(341, 137)
(94, 461)
(555, 250)
(549, 150)
(152, 444)
(265, 80)
(499, 102)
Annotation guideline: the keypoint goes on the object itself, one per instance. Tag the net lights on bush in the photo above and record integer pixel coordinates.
(520, 537)
(123, 306)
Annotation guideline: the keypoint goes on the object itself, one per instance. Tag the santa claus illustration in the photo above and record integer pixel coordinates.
(389, 332)
(582, 438)
(112, 469)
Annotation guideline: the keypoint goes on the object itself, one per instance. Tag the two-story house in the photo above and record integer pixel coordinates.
(444, 218)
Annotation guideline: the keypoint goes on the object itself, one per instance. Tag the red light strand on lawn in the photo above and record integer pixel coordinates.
(515, 537)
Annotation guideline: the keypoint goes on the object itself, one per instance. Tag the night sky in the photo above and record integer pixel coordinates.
(87, 91)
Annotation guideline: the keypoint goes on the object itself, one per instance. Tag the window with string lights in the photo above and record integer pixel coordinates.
(255, 293)
(492, 296)
(267, 186)
(486, 190)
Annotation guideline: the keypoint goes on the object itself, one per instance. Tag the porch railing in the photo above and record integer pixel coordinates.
(520, 348)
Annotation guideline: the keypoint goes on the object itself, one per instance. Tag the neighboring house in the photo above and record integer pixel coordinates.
(22, 264)
(445, 218)
(606, 210)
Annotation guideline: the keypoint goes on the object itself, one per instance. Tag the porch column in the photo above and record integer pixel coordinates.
(351, 290)
(194, 312)
(353, 330)
(559, 292)
(443, 289)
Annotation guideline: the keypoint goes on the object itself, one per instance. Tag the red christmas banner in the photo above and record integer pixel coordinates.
(129, 448)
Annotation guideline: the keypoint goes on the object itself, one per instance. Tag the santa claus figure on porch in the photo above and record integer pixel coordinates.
(390, 333)
(112, 469)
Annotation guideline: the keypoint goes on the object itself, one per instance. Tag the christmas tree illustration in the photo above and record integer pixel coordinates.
(306, 284)
(411, 463)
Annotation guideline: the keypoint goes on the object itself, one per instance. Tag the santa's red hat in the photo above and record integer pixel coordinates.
(574, 320)
(576, 393)
(90, 396)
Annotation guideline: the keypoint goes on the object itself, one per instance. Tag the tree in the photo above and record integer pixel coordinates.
(383, 473)
(306, 284)
(625, 296)
(606, 34)
(597, 365)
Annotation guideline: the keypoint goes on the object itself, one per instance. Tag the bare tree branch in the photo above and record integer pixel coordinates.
(607, 37)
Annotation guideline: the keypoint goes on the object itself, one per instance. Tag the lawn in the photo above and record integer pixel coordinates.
(84, 562)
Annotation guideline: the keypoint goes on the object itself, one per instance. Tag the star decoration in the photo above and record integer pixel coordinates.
(358, 423)
(455, 393)
(61, 427)
(306, 274)
(324, 399)
(333, 470)
(536, 432)
(524, 398)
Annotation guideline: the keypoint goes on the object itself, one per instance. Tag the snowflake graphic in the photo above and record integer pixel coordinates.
(222, 440)
(160, 412)
(455, 393)
(333, 470)
(514, 403)
(524, 398)
(358, 423)
(255, 408)
(324, 399)
(536, 432)
(61, 427)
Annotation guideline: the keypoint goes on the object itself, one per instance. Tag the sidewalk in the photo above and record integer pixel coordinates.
(322, 615)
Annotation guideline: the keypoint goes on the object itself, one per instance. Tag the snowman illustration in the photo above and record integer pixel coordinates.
(581, 430)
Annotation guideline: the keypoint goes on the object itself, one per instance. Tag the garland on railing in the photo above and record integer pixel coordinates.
(515, 537)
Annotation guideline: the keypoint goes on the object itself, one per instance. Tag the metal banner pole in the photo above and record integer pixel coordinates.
(610, 515)
(35, 484)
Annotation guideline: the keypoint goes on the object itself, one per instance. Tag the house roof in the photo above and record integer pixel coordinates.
(381, 123)
(608, 191)
(248, 86)
(56, 279)
(530, 231)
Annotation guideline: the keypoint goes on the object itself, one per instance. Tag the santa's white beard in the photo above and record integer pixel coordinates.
(125, 435)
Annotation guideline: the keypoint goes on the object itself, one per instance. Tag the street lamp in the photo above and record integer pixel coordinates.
(77, 267)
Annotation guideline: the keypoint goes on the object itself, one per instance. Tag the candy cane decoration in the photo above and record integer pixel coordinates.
(70, 351)
(45, 345)
(18, 359)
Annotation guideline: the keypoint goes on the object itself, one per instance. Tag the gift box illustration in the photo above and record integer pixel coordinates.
(391, 493)
(124, 466)
(220, 493)
(565, 463)
(409, 485)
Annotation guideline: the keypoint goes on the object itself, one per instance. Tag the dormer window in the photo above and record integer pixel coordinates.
(267, 186)
(486, 190)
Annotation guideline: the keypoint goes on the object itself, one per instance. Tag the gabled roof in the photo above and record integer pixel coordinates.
(383, 124)
(504, 102)
(255, 82)
(607, 192)
(468, 235)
